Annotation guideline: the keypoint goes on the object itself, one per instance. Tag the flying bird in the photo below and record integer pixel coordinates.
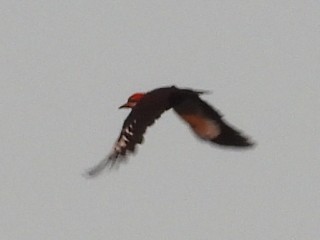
(205, 121)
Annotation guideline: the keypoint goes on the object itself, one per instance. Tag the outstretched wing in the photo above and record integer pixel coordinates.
(208, 124)
(143, 115)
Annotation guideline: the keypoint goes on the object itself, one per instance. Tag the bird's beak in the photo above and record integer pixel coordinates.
(126, 105)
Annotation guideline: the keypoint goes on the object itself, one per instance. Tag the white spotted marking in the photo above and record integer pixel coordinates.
(122, 143)
(126, 130)
(125, 138)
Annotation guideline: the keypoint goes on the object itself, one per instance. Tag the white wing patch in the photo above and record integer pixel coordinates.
(121, 144)
(127, 130)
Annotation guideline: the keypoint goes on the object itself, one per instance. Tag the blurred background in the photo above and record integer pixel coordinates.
(66, 66)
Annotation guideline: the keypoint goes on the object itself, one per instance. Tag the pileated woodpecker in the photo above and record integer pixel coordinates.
(203, 119)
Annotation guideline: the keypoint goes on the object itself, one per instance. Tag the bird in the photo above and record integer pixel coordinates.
(204, 120)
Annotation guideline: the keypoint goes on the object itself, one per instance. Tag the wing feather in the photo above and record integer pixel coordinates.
(143, 115)
(208, 124)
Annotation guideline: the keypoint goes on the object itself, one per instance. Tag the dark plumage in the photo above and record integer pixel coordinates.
(203, 119)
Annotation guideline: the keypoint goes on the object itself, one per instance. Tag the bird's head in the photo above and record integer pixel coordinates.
(133, 100)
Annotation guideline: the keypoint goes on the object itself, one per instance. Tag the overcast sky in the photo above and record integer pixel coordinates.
(66, 66)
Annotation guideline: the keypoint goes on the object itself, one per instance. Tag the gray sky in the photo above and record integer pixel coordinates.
(67, 65)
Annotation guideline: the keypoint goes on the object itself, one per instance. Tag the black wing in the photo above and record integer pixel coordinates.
(143, 115)
(208, 123)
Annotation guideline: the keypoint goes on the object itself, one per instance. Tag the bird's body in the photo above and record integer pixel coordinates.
(203, 119)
